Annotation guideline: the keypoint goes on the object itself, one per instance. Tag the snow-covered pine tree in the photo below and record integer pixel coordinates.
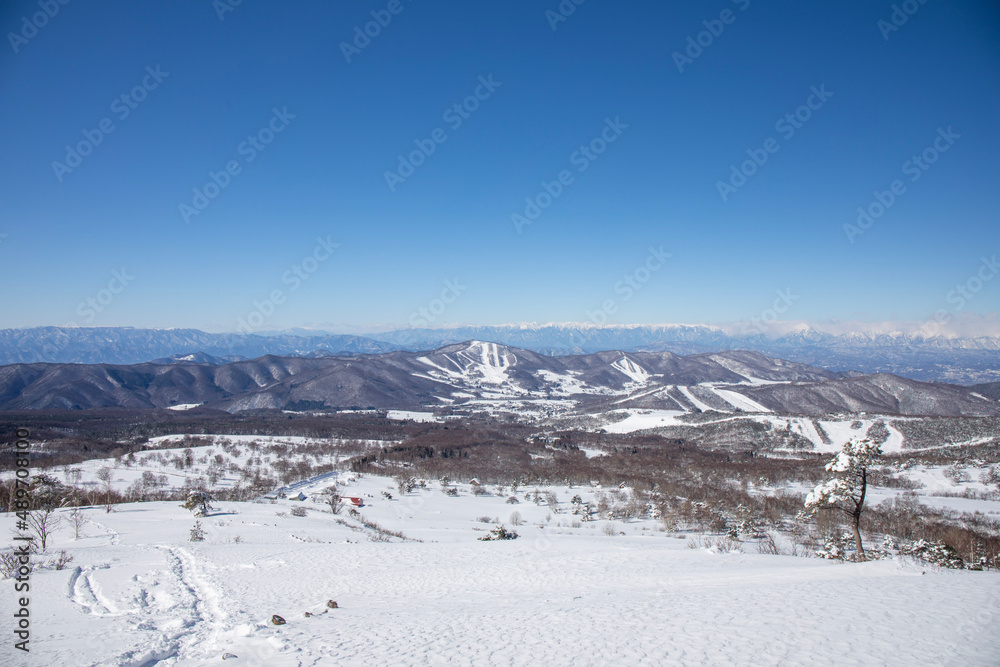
(846, 491)
(198, 502)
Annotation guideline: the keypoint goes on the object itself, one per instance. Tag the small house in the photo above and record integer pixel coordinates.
(355, 500)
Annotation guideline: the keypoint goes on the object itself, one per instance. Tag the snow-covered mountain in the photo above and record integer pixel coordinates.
(125, 345)
(961, 360)
(484, 377)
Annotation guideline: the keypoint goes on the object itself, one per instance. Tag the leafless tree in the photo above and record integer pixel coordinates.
(77, 520)
(332, 498)
(41, 523)
(106, 476)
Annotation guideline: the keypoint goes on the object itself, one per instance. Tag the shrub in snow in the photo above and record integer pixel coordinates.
(716, 545)
(197, 533)
(718, 523)
(499, 533)
(956, 475)
(840, 548)
(198, 502)
(746, 524)
(669, 520)
(452, 491)
(513, 500)
(10, 561)
(298, 511)
(935, 553)
(989, 476)
(846, 491)
(516, 519)
(60, 562)
(404, 484)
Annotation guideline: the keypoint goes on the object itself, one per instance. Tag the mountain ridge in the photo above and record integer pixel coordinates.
(961, 360)
(486, 377)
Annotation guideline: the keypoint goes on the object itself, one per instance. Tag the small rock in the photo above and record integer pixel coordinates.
(277, 620)
(227, 656)
(331, 604)
(308, 614)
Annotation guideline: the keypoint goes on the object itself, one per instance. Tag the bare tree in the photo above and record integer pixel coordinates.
(77, 519)
(331, 497)
(106, 476)
(41, 523)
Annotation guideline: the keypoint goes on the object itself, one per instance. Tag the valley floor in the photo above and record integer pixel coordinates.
(138, 593)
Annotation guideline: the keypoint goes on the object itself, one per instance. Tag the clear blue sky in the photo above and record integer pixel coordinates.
(324, 174)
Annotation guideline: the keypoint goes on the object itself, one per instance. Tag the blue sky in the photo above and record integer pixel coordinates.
(321, 180)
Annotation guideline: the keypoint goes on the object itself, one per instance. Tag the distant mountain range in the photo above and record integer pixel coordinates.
(482, 377)
(125, 345)
(961, 360)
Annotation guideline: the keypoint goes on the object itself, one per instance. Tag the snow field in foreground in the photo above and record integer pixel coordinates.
(139, 593)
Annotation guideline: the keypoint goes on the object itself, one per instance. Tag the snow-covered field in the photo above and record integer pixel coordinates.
(139, 593)
(235, 450)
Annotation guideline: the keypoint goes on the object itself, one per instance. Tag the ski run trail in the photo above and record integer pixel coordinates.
(140, 594)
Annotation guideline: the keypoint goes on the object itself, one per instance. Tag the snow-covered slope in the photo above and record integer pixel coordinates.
(139, 593)
(487, 377)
